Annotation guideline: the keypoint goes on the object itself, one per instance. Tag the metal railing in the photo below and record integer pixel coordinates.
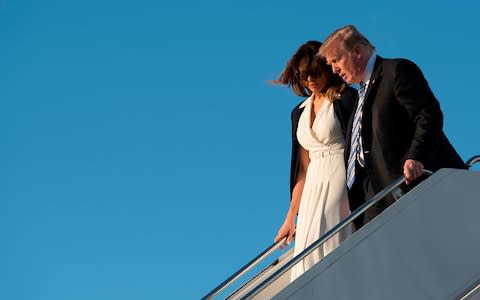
(370, 202)
(472, 161)
(260, 276)
(289, 264)
(245, 269)
(221, 287)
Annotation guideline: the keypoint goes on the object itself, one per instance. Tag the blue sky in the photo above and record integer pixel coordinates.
(144, 155)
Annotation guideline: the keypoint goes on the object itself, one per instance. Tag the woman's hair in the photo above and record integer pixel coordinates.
(306, 56)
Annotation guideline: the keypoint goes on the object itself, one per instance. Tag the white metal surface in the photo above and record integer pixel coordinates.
(425, 246)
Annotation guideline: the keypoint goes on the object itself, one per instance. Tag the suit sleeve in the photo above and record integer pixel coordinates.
(415, 96)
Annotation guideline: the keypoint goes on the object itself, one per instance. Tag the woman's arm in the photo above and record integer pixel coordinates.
(288, 227)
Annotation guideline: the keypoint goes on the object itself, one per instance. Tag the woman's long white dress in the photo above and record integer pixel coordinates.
(324, 200)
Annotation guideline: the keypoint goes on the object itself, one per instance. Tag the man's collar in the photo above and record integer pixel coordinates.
(369, 67)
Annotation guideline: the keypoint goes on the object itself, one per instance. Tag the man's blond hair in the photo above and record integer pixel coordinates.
(346, 38)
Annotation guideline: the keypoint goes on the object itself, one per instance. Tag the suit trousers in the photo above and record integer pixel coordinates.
(360, 192)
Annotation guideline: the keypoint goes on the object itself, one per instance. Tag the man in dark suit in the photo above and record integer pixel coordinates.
(397, 125)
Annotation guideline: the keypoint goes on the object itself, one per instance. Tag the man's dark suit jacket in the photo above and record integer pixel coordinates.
(401, 120)
(343, 108)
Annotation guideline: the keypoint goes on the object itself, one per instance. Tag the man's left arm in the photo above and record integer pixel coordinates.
(414, 94)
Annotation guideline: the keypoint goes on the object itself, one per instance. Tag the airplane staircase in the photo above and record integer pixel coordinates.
(424, 246)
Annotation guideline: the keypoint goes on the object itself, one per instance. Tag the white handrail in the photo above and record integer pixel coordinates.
(472, 161)
(244, 269)
(289, 264)
(388, 189)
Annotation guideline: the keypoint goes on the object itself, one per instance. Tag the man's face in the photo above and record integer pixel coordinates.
(345, 64)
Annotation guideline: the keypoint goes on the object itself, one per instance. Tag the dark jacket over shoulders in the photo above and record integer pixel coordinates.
(401, 120)
(343, 108)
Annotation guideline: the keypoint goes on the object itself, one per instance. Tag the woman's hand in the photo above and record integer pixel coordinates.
(287, 230)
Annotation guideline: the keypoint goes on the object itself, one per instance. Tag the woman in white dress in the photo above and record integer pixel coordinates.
(319, 198)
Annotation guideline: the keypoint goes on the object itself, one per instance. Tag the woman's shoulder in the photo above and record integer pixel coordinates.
(297, 110)
(301, 105)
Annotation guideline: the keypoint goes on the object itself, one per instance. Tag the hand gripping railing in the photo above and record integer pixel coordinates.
(387, 190)
(244, 269)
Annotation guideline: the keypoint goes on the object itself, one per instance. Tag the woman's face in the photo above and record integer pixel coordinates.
(315, 80)
(317, 84)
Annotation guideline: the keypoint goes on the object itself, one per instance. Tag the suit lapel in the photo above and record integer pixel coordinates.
(374, 79)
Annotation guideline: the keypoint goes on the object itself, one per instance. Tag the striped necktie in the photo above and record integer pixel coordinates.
(355, 137)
